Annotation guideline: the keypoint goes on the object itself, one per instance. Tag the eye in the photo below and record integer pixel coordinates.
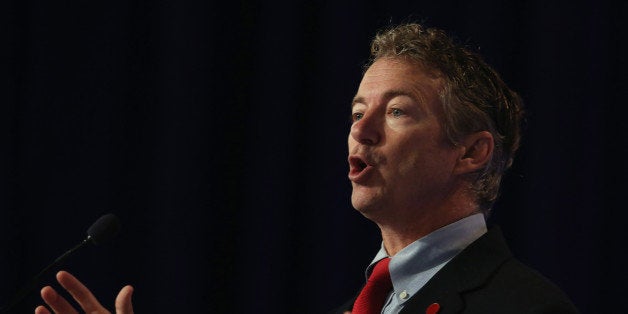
(356, 116)
(396, 112)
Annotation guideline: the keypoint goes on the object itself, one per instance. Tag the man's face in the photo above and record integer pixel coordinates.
(399, 158)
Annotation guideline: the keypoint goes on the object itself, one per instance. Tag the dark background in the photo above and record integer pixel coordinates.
(216, 131)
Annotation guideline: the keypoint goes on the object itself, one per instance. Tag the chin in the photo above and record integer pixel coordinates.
(367, 206)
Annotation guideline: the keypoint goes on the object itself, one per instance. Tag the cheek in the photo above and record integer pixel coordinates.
(427, 162)
(408, 164)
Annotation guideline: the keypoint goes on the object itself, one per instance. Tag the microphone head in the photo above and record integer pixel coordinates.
(104, 229)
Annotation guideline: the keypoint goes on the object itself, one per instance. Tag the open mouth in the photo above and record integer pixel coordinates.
(360, 165)
(357, 168)
(357, 164)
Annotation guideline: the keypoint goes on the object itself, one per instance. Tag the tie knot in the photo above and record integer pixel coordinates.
(374, 294)
(380, 274)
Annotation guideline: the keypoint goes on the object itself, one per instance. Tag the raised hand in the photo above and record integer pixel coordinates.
(83, 297)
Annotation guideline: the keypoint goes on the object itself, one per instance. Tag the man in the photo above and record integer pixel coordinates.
(434, 128)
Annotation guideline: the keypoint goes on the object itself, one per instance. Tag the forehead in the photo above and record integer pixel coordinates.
(395, 76)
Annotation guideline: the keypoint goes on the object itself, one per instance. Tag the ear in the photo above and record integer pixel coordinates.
(476, 152)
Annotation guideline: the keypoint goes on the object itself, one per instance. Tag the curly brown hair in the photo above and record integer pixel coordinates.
(474, 97)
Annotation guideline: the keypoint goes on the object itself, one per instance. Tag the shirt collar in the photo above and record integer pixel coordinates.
(415, 264)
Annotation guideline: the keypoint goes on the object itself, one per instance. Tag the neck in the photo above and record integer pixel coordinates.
(401, 232)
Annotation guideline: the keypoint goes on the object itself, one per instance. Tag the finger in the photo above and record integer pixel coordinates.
(41, 310)
(80, 293)
(123, 301)
(57, 303)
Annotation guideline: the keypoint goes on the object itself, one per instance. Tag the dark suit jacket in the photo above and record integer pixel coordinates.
(485, 278)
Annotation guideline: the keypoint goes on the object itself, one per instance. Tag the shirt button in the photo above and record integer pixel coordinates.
(403, 295)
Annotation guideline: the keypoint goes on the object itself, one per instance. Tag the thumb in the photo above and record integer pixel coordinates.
(123, 301)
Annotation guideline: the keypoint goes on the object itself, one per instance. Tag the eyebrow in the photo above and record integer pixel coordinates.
(388, 95)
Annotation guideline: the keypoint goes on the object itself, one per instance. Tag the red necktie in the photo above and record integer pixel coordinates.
(372, 297)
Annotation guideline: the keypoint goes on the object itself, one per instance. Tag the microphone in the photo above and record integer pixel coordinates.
(104, 229)
(101, 231)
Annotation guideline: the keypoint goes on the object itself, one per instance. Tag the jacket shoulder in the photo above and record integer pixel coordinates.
(486, 278)
(517, 288)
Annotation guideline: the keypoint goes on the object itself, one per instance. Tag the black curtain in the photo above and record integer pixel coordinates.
(216, 131)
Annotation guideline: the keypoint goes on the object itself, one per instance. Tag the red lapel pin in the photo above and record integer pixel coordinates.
(433, 308)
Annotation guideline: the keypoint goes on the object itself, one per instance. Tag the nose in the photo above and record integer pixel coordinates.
(367, 130)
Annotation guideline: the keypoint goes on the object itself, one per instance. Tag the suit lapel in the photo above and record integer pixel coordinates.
(467, 271)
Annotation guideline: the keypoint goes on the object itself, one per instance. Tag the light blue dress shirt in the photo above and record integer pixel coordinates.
(413, 266)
